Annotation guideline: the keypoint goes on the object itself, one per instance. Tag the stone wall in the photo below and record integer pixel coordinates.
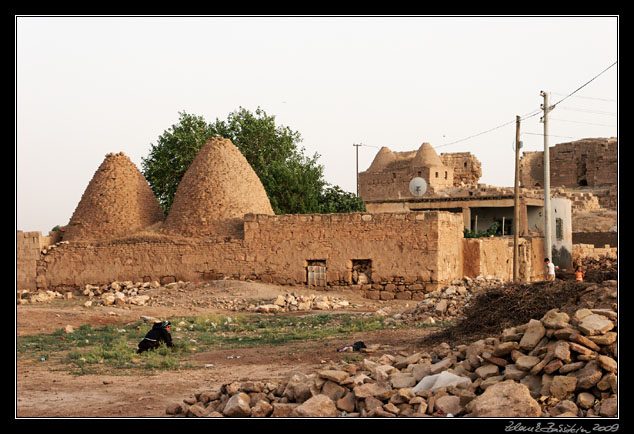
(387, 256)
(417, 248)
(467, 169)
(586, 162)
(28, 248)
(78, 264)
(420, 247)
(589, 251)
(494, 257)
(394, 183)
(597, 239)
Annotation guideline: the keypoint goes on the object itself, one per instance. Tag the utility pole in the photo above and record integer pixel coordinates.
(357, 146)
(547, 223)
(516, 208)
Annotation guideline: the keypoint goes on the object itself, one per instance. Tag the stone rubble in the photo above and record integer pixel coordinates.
(448, 303)
(292, 302)
(557, 366)
(141, 294)
(116, 293)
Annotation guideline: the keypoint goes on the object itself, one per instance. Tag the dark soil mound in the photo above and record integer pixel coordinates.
(496, 309)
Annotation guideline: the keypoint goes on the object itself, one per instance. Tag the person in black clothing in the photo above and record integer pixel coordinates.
(160, 332)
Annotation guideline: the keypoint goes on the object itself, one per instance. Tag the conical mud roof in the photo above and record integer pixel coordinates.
(426, 156)
(117, 202)
(382, 159)
(217, 190)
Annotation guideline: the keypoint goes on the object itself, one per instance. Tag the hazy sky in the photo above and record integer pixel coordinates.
(87, 86)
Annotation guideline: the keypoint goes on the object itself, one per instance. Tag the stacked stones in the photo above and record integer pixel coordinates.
(26, 296)
(119, 293)
(448, 303)
(556, 366)
(292, 302)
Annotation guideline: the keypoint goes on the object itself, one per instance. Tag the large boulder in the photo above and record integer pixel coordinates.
(505, 399)
(317, 406)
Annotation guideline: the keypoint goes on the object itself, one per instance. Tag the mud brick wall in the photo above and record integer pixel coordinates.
(421, 249)
(494, 257)
(28, 251)
(597, 239)
(77, 264)
(394, 183)
(409, 254)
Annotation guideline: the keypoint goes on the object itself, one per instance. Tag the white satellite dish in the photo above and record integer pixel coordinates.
(418, 186)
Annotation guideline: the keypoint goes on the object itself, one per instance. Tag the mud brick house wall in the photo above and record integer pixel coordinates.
(422, 248)
(408, 254)
(29, 246)
(215, 231)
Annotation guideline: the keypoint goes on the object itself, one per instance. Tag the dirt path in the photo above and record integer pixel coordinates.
(46, 389)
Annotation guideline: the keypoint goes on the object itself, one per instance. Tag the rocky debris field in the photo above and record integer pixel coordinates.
(448, 303)
(154, 294)
(541, 350)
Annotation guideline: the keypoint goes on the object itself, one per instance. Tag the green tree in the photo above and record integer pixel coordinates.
(334, 200)
(293, 181)
(172, 155)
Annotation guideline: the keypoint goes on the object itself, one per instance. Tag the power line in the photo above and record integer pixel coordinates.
(530, 114)
(587, 97)
(526, 116)
(580, 122)
(552, 135)
(585, 84)
(597, 112)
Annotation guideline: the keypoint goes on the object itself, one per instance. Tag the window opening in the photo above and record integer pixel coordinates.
(559, 228)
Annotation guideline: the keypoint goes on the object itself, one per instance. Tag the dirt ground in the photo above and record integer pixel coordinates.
(44, 389)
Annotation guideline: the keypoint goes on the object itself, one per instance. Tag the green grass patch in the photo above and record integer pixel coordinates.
(112, 348)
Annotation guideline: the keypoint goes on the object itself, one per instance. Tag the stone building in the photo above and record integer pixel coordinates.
(384, 187)
(390, 173)
(582, 163)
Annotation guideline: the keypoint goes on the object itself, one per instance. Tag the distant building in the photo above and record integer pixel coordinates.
(452, 181)
(582, 163)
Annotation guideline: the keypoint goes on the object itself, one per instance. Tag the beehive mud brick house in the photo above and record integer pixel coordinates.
(221, 225)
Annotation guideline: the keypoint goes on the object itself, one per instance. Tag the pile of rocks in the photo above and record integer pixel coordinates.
(25, 296)
(50, 248)
(448, 303)
(119, 293)
(559, 365)
(292, 302)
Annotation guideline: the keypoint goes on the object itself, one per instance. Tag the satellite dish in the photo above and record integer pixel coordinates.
(418, 186)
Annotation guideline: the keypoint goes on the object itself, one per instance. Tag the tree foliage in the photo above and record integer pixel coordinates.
(334, 200)
(293, 181)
